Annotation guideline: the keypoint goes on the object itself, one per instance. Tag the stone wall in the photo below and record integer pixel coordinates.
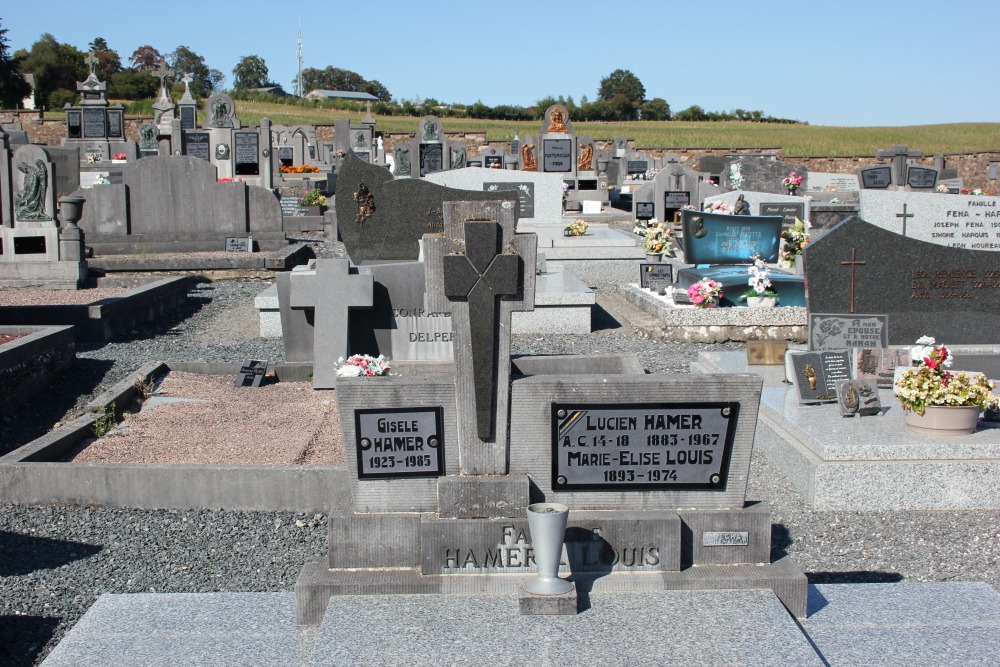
(972, 167)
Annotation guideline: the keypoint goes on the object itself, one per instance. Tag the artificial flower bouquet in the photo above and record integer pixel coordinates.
(312, 198)
(578, 227)
(793, 181)
(793, 240)
(363, 365)
(705, 293)
(929, 383)
(760, 280)
(658, 239)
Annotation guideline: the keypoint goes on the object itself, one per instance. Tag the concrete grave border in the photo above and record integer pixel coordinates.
(31, 362)
(30, 475)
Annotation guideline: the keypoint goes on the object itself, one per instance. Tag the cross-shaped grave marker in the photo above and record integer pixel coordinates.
(904, 215)
(899, 153)
(333, 291)
(853, 263)
(187, 84)
(476, 271)
(92, 62)
(163, 73)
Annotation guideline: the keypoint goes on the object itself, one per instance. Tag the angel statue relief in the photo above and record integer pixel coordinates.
(29, 203)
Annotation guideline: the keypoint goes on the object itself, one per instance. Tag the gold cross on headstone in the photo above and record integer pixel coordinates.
(853, 263)
(904, 215)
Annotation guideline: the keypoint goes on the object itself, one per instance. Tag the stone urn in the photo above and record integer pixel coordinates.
(547, 526)
(945, 419)
(71, 209)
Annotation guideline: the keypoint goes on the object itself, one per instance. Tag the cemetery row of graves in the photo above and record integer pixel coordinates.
(867, 303)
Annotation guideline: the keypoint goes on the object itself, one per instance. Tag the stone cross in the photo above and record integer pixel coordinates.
(476, 271)
(899, 154)
(163, 73)
(853, 263)
(333, 291)
(187, 84)
(92, 63)
(904, 215)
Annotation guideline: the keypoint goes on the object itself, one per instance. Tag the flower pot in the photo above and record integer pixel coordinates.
(945, 419)
(762, 301)
(653, 257)
(547, 527)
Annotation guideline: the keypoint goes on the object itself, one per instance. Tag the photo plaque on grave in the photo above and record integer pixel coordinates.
(247, 163)
(94, 124)
(196, 144)
(649, 271)
(431, 158)
(558, 155)
(525, 195)
(399, 443)
(602, 447)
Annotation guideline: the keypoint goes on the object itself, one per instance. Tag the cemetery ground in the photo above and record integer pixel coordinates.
(56, 560)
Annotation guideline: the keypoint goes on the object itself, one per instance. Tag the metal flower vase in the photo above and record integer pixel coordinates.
(547, 526)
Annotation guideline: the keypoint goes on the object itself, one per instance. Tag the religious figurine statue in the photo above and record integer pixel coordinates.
(379, 143)
(741, 207)
(220, 113)
(29, 203)
(359, 140)
(585, 161)
(366, 204)
(147, 136)
(401, 155)
(558, 121)
(458, 156)
(528, 160)
(430, 130)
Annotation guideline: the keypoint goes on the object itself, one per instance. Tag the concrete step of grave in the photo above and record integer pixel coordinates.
(317, 584)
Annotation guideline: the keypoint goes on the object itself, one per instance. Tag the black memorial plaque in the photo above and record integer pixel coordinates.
(525, 196)
(73, 125)
(493, 161)
(196, 144)
(364, 156)
(921, 178)
(636, 166)
(402, 442)
(674, 201)
(649, 271)
(644, 210)
(431, 158)
(817, 374)
(557, 155)
(116, 127)
(247, 162)
(187, 117)
(661, 446)
(788, 211)
(251, 372)
(285, 155)
(876, 178)
(94, 124)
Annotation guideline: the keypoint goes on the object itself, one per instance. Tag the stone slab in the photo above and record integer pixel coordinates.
(552, 320)
(718, 627)
(600, 242)
(943, 624)
(482, 496)
(565, 604)
(870, 463)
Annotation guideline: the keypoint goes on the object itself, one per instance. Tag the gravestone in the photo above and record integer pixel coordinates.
(539, 195)
(764, 174)
(787, 206)
(403, 211)
(927, 289)
(875, 178)
(332, 292)
(829, 182)
(956, 221)
(900, 155)
(723, 246)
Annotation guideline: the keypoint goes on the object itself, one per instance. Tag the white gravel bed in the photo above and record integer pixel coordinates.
(55, 561)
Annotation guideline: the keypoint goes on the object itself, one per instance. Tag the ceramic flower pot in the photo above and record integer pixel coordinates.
(653, 257)
(547, 526)
(762, 301)
(945, 420)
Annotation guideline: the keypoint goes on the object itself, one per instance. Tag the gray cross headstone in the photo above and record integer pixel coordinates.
(899, 153)
(333, 291)
(163, 73)
(92, 62)
(476, 271)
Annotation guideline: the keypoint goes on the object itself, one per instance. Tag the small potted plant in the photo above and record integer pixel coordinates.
(706, 293)
(314, 200)
(939, 401)
(760, 294)
(792, 182)
(363, 365)
(657, 242)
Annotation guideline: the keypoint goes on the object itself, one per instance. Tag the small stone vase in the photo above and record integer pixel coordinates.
(945, 420)
(762, 301)
(547, 527)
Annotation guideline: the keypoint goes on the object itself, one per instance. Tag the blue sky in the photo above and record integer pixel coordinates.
(841, 62)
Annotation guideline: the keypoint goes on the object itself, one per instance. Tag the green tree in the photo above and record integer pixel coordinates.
(204, 80)
(55, 66)
(109, 62)
(13, 87)
(693, 112)
(655, 109)
(250, 72)
(376, 88)
(132, 84)
(623, 89)
(146, 58)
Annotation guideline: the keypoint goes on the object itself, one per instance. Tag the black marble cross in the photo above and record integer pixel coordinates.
(481, 276)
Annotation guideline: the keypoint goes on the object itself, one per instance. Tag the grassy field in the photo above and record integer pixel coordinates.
(792, 139)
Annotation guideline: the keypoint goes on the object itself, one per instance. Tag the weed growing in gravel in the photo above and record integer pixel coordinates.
(143, 387)
(105, 420)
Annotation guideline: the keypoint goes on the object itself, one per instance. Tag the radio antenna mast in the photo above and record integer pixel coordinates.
(298, 79)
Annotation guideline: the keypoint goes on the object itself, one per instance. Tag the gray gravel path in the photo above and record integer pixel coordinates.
(55, 561)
